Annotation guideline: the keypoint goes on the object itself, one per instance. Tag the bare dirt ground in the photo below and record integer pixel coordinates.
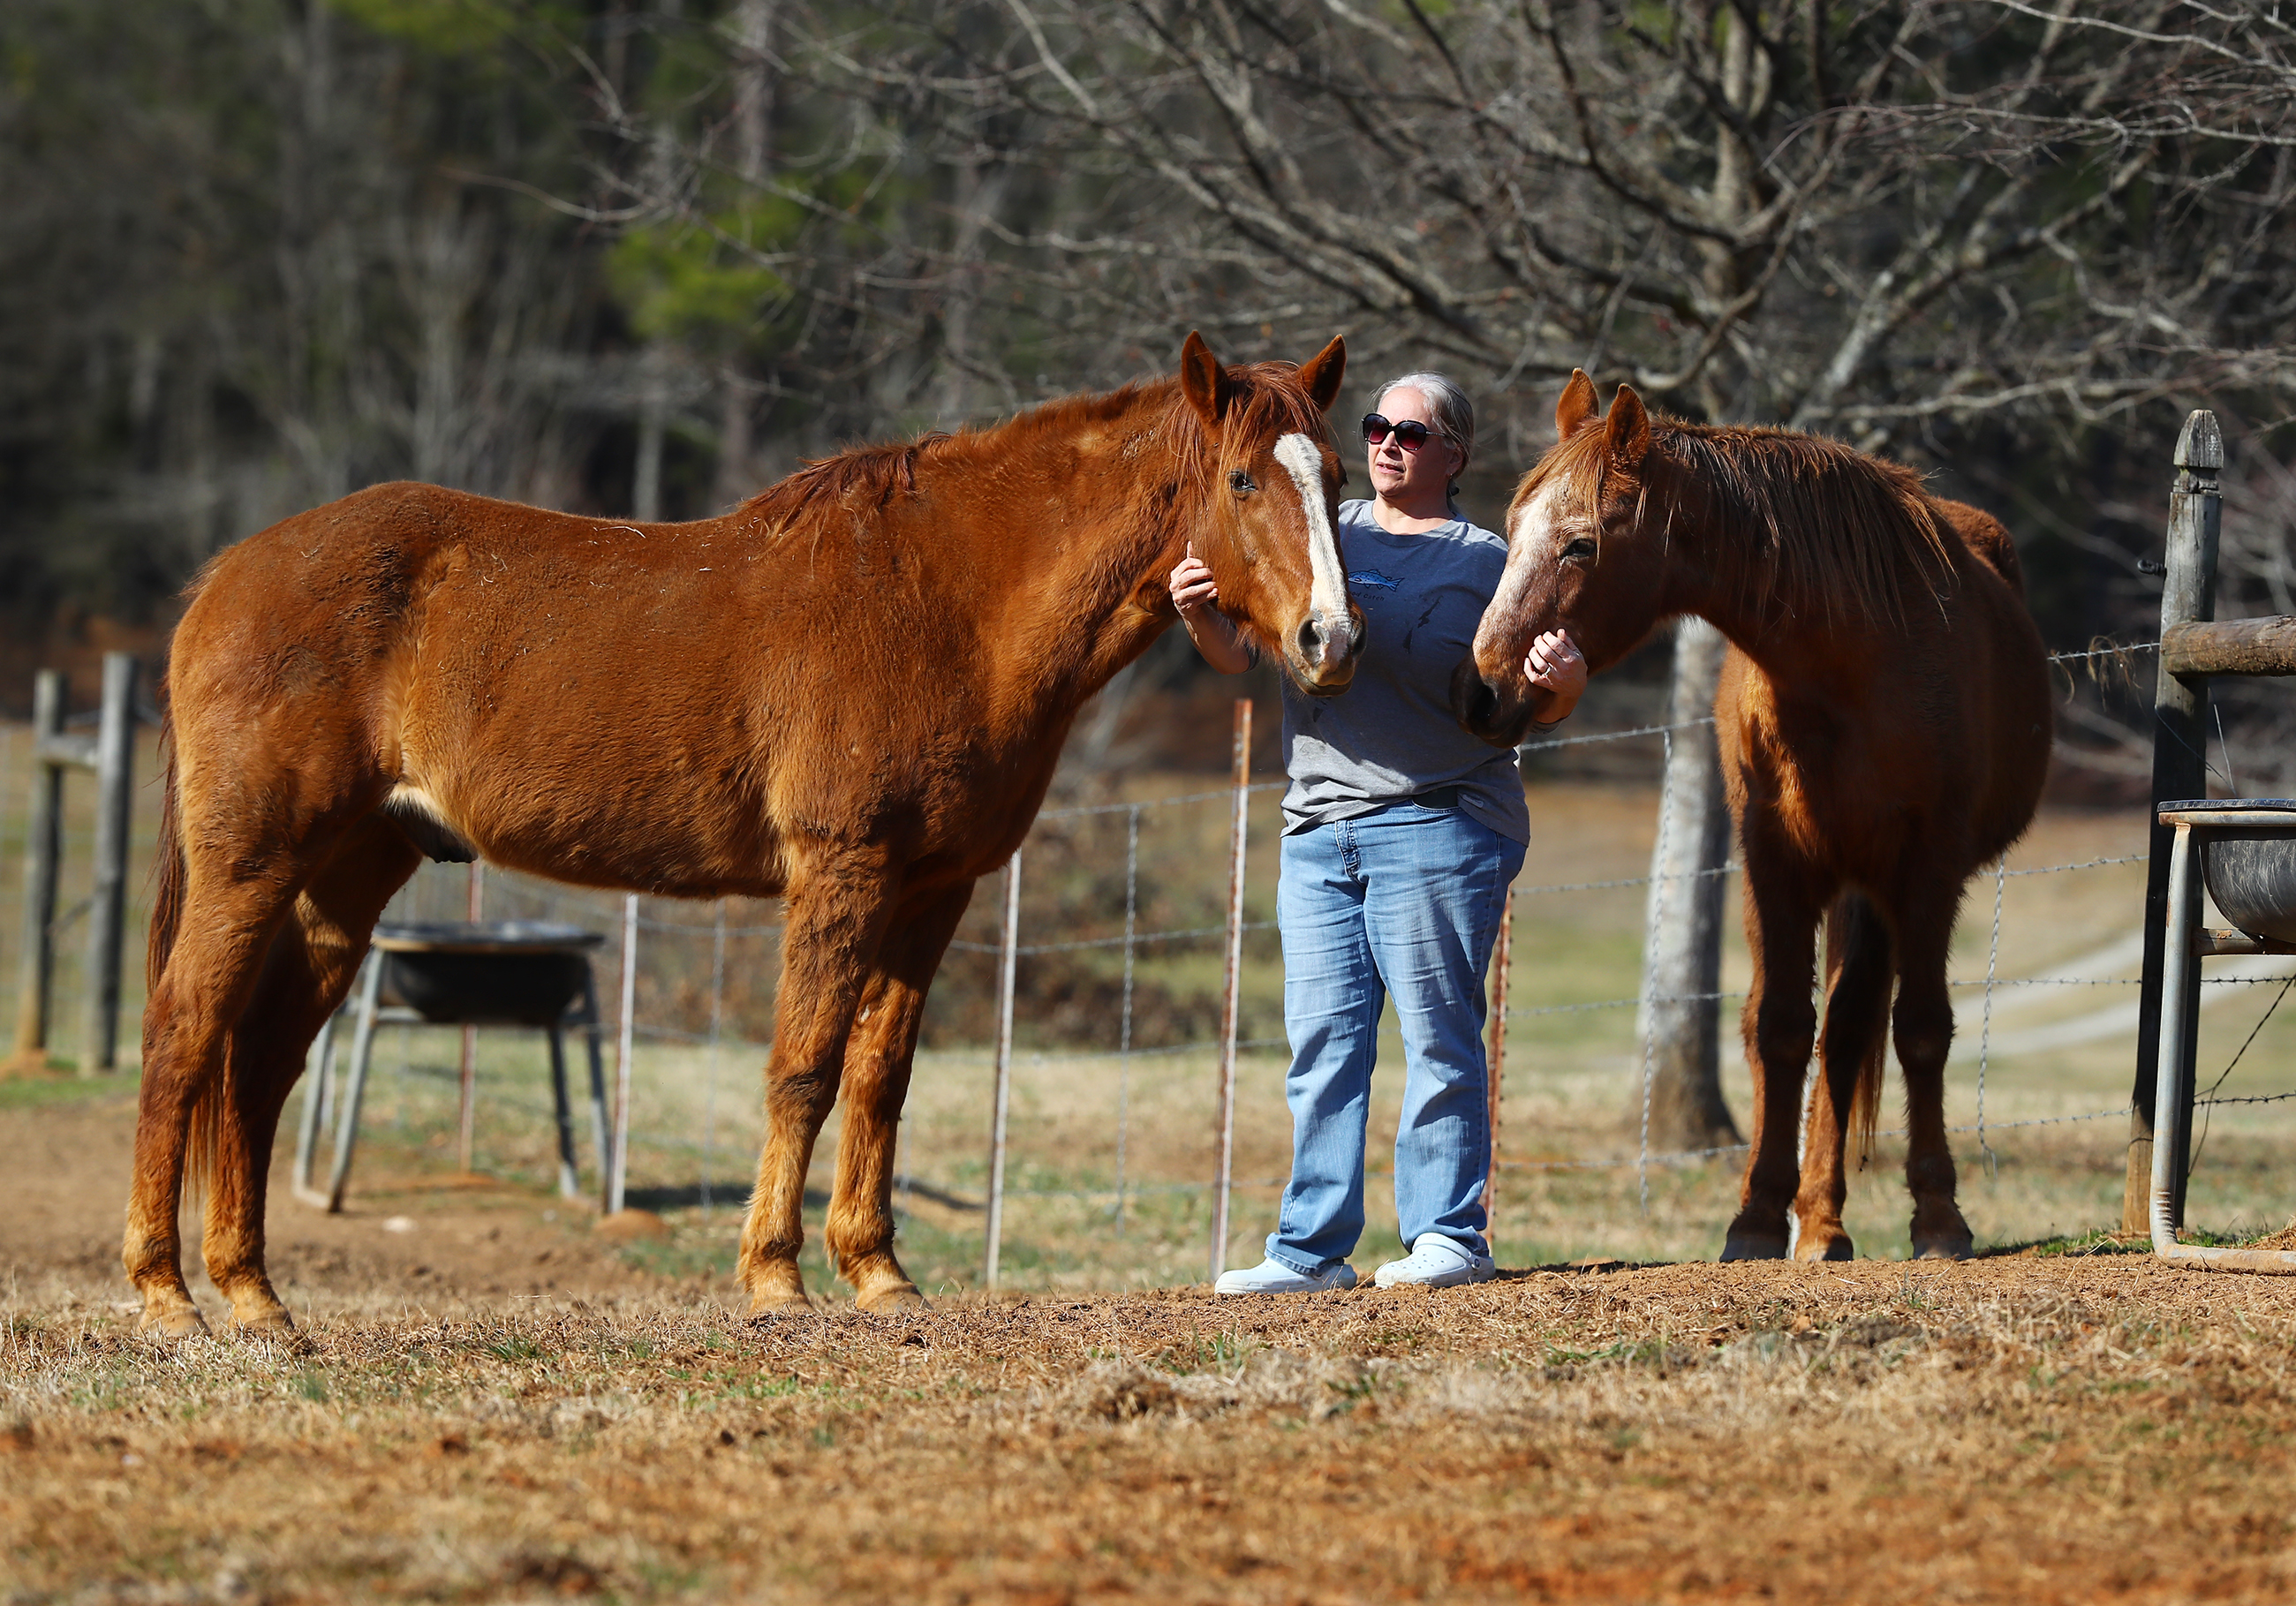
(493, 1405)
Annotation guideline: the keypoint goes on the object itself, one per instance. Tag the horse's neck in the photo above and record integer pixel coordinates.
(1086, 581)
(1714, 572)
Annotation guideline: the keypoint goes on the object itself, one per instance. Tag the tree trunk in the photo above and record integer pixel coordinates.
(1682, 963)
(653, 408)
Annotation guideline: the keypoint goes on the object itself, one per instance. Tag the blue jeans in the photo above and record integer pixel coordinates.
(1406, 902)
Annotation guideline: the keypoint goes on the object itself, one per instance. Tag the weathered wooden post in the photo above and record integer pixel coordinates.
(1231, 1006)
(107, 915)
(42, 857)
(1682, 966)
(2188, 592)
(111, 755)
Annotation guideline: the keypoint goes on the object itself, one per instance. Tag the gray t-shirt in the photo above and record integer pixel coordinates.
(1391, 733)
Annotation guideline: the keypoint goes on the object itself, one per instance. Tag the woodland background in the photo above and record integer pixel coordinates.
(641, 257)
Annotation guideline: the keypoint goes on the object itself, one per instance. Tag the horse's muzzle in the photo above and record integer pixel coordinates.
(1499, 715)
(1324, 650)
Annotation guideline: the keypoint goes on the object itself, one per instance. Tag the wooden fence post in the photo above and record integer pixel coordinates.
(106, 915)
(2188, 592)
(43, 851)
(1008, 961)
(1231, 1007)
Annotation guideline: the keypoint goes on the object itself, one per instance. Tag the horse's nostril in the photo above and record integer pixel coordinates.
(1483, 704)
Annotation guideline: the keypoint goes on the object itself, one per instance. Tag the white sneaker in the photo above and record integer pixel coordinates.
(1275, 1277)
(1436, 1261)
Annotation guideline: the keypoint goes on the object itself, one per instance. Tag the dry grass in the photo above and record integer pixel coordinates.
(498, 1405)
(2004, 1431)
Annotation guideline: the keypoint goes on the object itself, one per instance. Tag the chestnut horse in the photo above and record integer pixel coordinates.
(1884, 723)
(850, 692)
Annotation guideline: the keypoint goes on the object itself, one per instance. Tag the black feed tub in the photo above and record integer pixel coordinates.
(2252, 872)
(504, 972)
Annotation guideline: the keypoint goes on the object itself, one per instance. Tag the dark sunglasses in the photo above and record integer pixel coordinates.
(1410, 434)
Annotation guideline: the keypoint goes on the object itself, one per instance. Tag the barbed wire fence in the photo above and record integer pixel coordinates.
(1119, 935)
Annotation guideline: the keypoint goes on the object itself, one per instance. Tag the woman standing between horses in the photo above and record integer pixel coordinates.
(1401, 833)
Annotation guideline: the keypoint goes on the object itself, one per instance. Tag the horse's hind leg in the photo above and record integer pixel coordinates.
(1851, 1055)
(1924, 1034)
(837, 919)
(222, 938)
(877, 1056)
(308, 970)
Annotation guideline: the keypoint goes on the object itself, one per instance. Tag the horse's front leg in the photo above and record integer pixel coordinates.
(1924, 1034)
(837, 919)
(877, 1056)
(1780, 1025)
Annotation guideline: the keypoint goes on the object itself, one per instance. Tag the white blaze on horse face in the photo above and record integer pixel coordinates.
(1533, 534)
(1328, 594)
(1530, 551)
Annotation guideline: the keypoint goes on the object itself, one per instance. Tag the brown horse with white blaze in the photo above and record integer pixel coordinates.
(1884, 724)
(850, 692)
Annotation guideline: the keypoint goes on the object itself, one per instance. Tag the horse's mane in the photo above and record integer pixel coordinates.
(1269, 400)
(1821, 527)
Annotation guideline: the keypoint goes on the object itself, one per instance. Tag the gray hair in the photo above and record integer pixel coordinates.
(1455, 414)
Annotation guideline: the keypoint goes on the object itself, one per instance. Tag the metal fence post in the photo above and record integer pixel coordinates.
(618, 1167)
(42, 850)
(1007, 964)
(467, 1117)
(1231, 1008)
(1496, 1070)
(2188, 592)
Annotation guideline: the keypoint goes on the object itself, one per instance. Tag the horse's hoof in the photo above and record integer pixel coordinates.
(898, 1299)
(782, 1304)
(1752, 1246)
(1824, 1244)
(172, 1321)
(1941, 1233)
(276, 1327)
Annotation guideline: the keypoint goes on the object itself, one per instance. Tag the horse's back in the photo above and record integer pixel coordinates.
(1946, 718)
(1985, 536)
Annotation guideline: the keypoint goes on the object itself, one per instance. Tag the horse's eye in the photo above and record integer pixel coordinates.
(1242, 483)
(1582, 547)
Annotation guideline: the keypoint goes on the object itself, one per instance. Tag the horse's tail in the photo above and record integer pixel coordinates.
(1856, 935)
(204, 1140)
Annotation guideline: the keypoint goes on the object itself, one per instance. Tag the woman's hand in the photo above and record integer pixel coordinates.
(1557, 672)
(1215, 634)
(1192, 588)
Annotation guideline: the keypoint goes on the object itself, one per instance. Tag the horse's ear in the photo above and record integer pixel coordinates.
(1202, 380)
(1322, 372)
(1577, 405)
(1627, 429)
